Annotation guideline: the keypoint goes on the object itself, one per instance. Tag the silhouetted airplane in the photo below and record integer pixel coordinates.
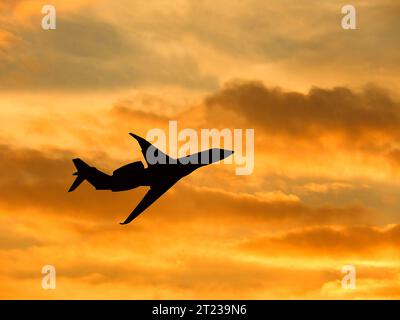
(158, 176)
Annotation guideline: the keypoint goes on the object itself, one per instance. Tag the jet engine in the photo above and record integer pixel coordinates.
(129, 170)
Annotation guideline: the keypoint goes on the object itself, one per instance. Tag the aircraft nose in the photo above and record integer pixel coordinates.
(226, 153)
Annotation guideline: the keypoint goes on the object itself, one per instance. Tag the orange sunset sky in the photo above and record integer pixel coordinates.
(325, 106)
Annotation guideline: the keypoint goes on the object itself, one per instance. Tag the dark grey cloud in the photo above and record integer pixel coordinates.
(302, 34)
(355, 241)
(86, 52)
(320, 110)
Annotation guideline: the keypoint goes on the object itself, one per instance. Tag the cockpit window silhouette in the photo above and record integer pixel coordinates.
(161, 173)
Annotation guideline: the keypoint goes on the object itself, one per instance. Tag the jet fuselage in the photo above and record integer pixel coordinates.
(134, 174)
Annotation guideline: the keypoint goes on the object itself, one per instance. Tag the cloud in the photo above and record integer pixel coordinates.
(11, 239)
(294, 129)
(347, 242)
(199, 45)
(319, 111)
(98, 254)
(327, 187)
(299, 44)
(124, 111)
(73, 58)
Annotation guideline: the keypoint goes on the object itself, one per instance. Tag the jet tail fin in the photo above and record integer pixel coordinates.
(81, 167)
